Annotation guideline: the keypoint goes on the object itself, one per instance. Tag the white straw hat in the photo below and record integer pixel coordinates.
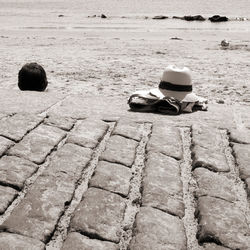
(177, 83)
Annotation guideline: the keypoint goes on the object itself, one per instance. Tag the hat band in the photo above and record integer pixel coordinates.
(175, 87)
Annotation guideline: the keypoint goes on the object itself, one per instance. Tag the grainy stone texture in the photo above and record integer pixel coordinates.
(166, 140)
(120, 150)
(65, 123)
(155, 229)
(112, 177)
(88, 133)
(162, 185)
(77, 241)
(38, 143)
(247, 181)
(14, 171)
(5, 144)
(242, 155)
(37, 214)
(9, 241)
(208, 150)
(214, 184)
(213, 246)
(104, 212)
(128, 129)
(240, 135)
(221, 221)
(16, 126)
(7, 195)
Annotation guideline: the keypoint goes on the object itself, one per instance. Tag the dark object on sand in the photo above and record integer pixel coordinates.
(159, 17)
(32, 76)
(194, 18)
(61, 15)
(103, 16)
(218, 18)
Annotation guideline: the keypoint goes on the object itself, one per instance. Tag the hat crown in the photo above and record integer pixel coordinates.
(177, 76)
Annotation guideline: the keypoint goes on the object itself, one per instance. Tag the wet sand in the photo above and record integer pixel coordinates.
(116, 56)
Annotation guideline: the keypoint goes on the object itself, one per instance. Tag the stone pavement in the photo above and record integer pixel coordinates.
(85, 173)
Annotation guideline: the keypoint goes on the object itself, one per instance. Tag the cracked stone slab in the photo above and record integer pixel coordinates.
(120, 150)
(112, 177)
(14, 171)
(37, 214)
(7, 195)
(221, 221)
(166, 140)
(10, 241)
(155, 229)
(162, 185)
(88, 133)
(214, 184)
(129, 129)
(65, 123)
(240, 135)
(242, 155)
(5, 144)
(104, 212)
(16, 126)
(70, 160)
(78, 241)
(207, 158)
(38, 143)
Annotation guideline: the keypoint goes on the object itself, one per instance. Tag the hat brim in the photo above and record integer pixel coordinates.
(180, 96)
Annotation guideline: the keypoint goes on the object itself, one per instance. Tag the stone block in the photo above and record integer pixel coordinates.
(242, 156)
(112, 177)
(78, 241)
(104, 212)
(222, 221)
(165, 140)
(162, 185)
(213, 246)
(7, 195)
(9, 241)
(14, 171)
(65, 123)
(247, 181)
(155, 229)
(120, 150)
(5, 144)
(210, 159)
(240, 135)
(88, 133)
(37, 214)
(129, 129)
(214, 184)
(38, 143)
(15, 127)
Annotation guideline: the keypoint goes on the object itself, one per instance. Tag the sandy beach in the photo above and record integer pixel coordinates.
(120, 54)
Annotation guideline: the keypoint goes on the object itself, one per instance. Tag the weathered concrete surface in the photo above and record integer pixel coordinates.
(155, 229)
(65, 123)
(16, 126)
(120, 150)
(112, 177)
(240, 135)
(7, 195)
(16, 101)
(88, 133)
(9, 241)
(105, 213)
(162, 185)
(78, 241)
(14, 171)
(221, 221)
(166, 140)
(38, 143)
